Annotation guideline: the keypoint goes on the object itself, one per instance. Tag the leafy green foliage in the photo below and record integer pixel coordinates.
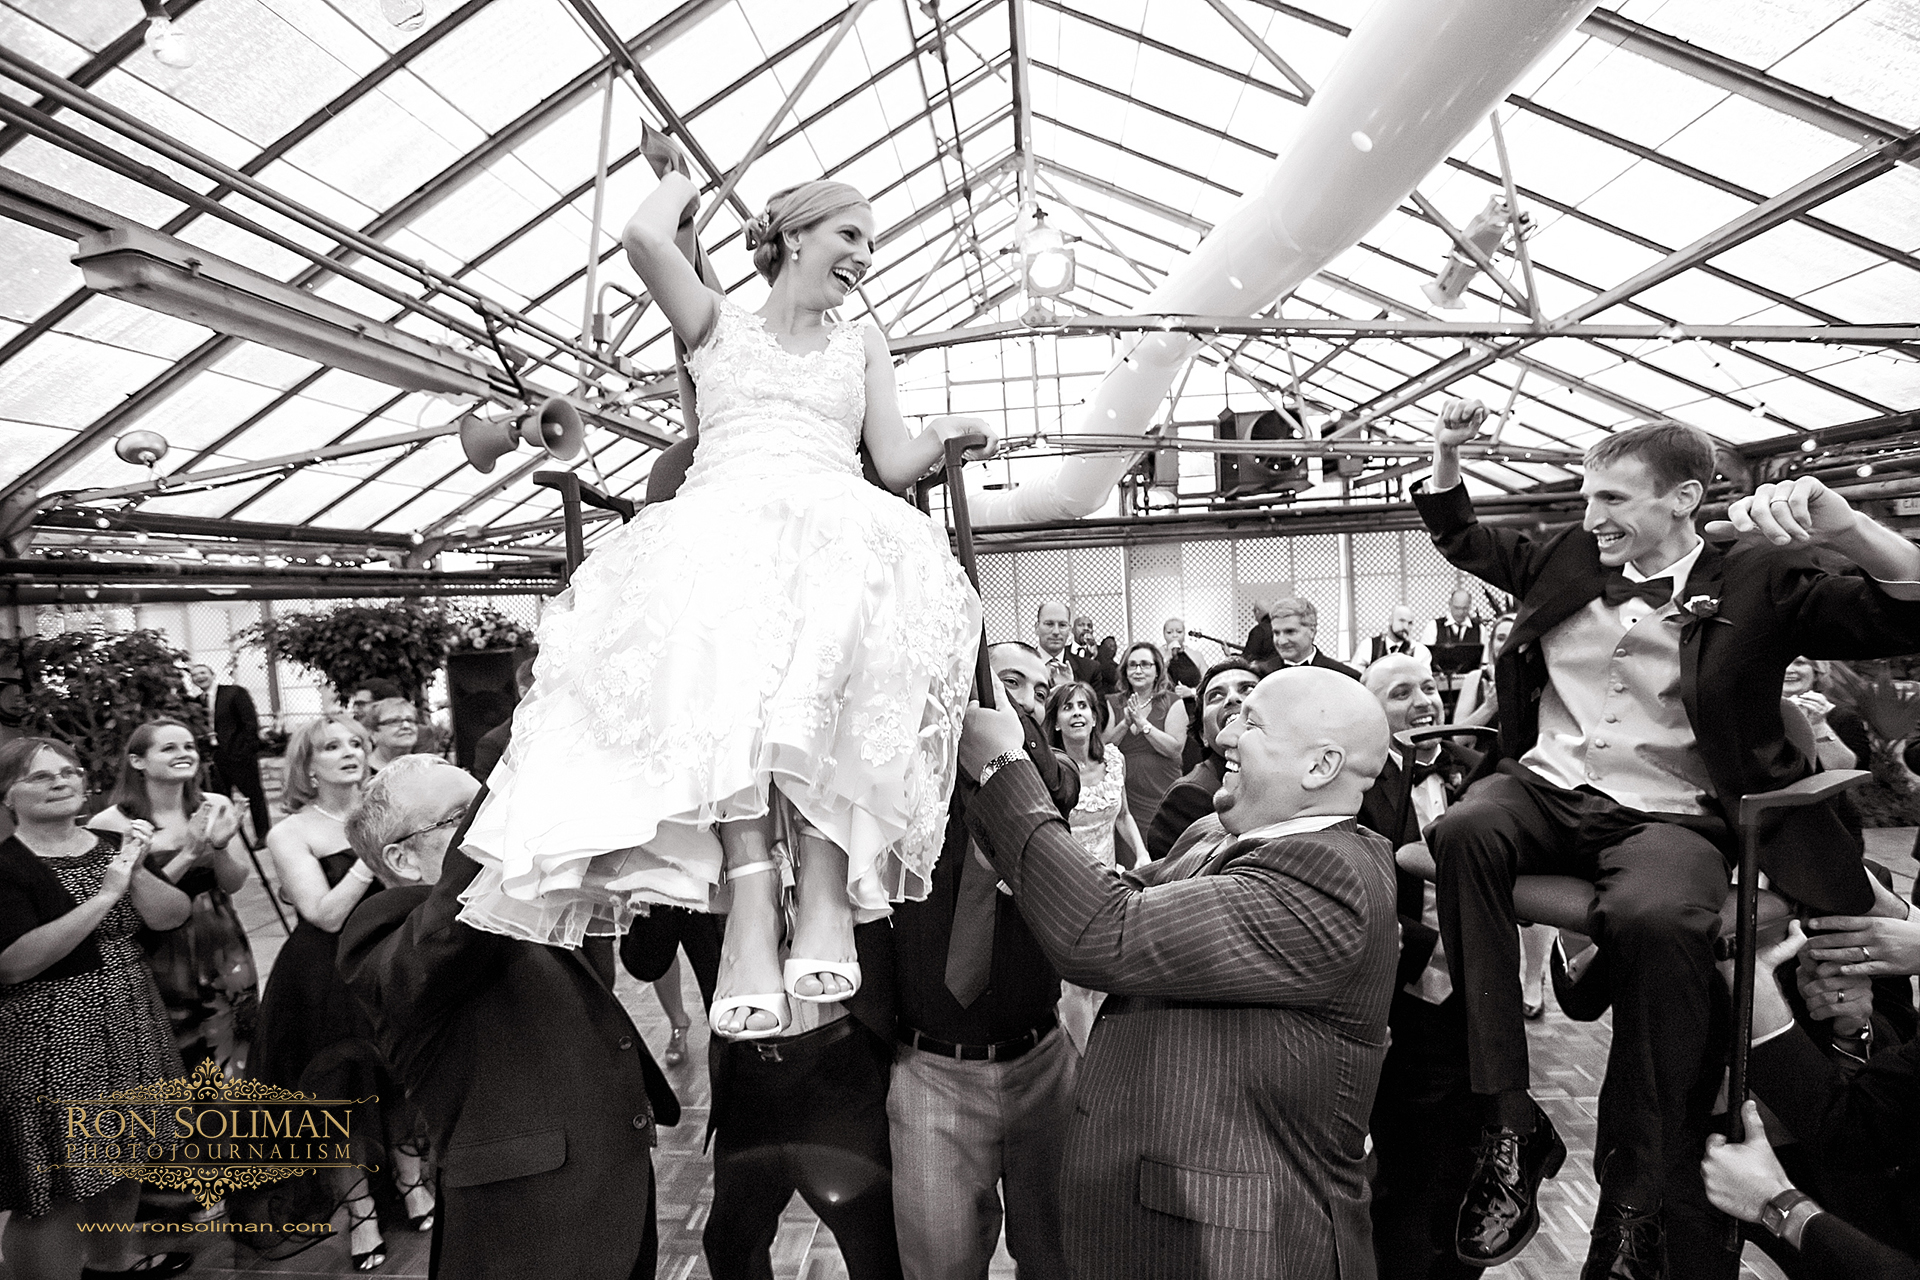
(404, 641)
(91, 690)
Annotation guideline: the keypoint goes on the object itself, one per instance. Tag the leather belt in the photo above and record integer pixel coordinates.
(998, 1051)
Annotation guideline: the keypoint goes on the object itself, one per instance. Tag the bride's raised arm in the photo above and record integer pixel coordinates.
(899, 457)
(650, 240)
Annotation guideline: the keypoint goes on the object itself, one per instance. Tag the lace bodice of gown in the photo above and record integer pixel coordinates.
(765, 411)
(1092, 818)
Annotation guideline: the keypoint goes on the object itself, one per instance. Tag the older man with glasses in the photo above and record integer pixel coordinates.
(539, 1096)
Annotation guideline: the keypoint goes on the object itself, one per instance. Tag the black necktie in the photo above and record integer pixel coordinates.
(1619, 590)
(970, 944)
(1421, 772)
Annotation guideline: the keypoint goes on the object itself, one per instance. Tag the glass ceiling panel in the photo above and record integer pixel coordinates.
(121, 324)
(1885, 208)
(1758, 32)
(39, 385)
(510, 55)
(39, 269)
(386, 144)
(1797, 260)
(1888, 294)
(1662, 205)
(1722, 143)
(1865, 59)
(1639, 100)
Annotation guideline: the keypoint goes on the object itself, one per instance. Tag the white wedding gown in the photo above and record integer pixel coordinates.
(781, 623)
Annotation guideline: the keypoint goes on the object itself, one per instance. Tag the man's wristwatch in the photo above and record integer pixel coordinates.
(1774, 1214)
(998, 763)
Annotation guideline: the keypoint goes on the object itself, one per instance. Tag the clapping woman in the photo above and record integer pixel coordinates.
(1148, 722)
(204, 967)
(79, 1014)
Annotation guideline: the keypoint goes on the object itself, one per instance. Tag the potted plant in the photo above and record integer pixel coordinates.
(92, 689)
(403, 641)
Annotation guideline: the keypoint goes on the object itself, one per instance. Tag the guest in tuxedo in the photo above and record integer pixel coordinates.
(1629, 714)
(1182, 670)
(235, 743)
(540, 1099)
(1095, 662)
(806, 1113)
(1222, 690)
(1425, 1123)
(1053, 629)
(983, 1075)
(1218, 1127)
(1396, 638)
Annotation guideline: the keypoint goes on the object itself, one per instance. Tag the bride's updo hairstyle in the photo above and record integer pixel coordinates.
(794, 209)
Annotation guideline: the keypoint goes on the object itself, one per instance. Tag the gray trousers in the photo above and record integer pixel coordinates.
(959, 1130)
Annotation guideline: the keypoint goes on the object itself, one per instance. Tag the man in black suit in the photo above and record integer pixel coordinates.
(1095, 662)
(1635, 706)
(539, 1097)
(1425, 1123)
(235, 741)
(1219, 1114)
(1222, 689)
(1295, 624)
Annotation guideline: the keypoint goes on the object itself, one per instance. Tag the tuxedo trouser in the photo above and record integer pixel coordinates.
(805, 1113)
(1661, 880)
(649, 948)
(242, 773)
(1425, 1126)
(963, 1130)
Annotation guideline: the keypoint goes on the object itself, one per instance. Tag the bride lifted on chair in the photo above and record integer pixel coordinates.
(759, 683)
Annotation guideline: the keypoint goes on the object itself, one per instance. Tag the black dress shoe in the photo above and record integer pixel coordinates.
(1500, 1214)
(151, 1267)
(1583, 997)
(1628, 1244)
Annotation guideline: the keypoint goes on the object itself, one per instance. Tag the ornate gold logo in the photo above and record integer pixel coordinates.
(208, 1134)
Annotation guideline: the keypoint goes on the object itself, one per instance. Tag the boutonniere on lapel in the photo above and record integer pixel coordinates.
(1695, 610)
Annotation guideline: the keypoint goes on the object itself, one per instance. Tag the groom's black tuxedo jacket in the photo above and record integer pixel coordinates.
(1768, 606)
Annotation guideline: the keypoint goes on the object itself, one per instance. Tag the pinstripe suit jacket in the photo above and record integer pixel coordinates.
(1221, 1113)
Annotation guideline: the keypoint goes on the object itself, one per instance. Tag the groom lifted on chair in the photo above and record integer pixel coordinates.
(1637, 706)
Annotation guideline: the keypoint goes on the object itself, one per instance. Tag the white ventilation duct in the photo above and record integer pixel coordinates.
(1416, 76)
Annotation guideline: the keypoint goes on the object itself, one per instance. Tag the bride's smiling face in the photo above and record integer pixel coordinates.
(827, 260)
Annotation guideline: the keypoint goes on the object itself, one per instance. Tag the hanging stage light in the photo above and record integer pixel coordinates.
(1048, 259)
(1487, 233)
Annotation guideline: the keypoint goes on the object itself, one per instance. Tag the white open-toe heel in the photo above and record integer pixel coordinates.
(770, 1002)
(794, 970)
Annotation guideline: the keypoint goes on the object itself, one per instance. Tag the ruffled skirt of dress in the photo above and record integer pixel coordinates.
(808, 633)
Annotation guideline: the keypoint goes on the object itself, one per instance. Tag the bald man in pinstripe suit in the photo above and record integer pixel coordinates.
(1221, 1112)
